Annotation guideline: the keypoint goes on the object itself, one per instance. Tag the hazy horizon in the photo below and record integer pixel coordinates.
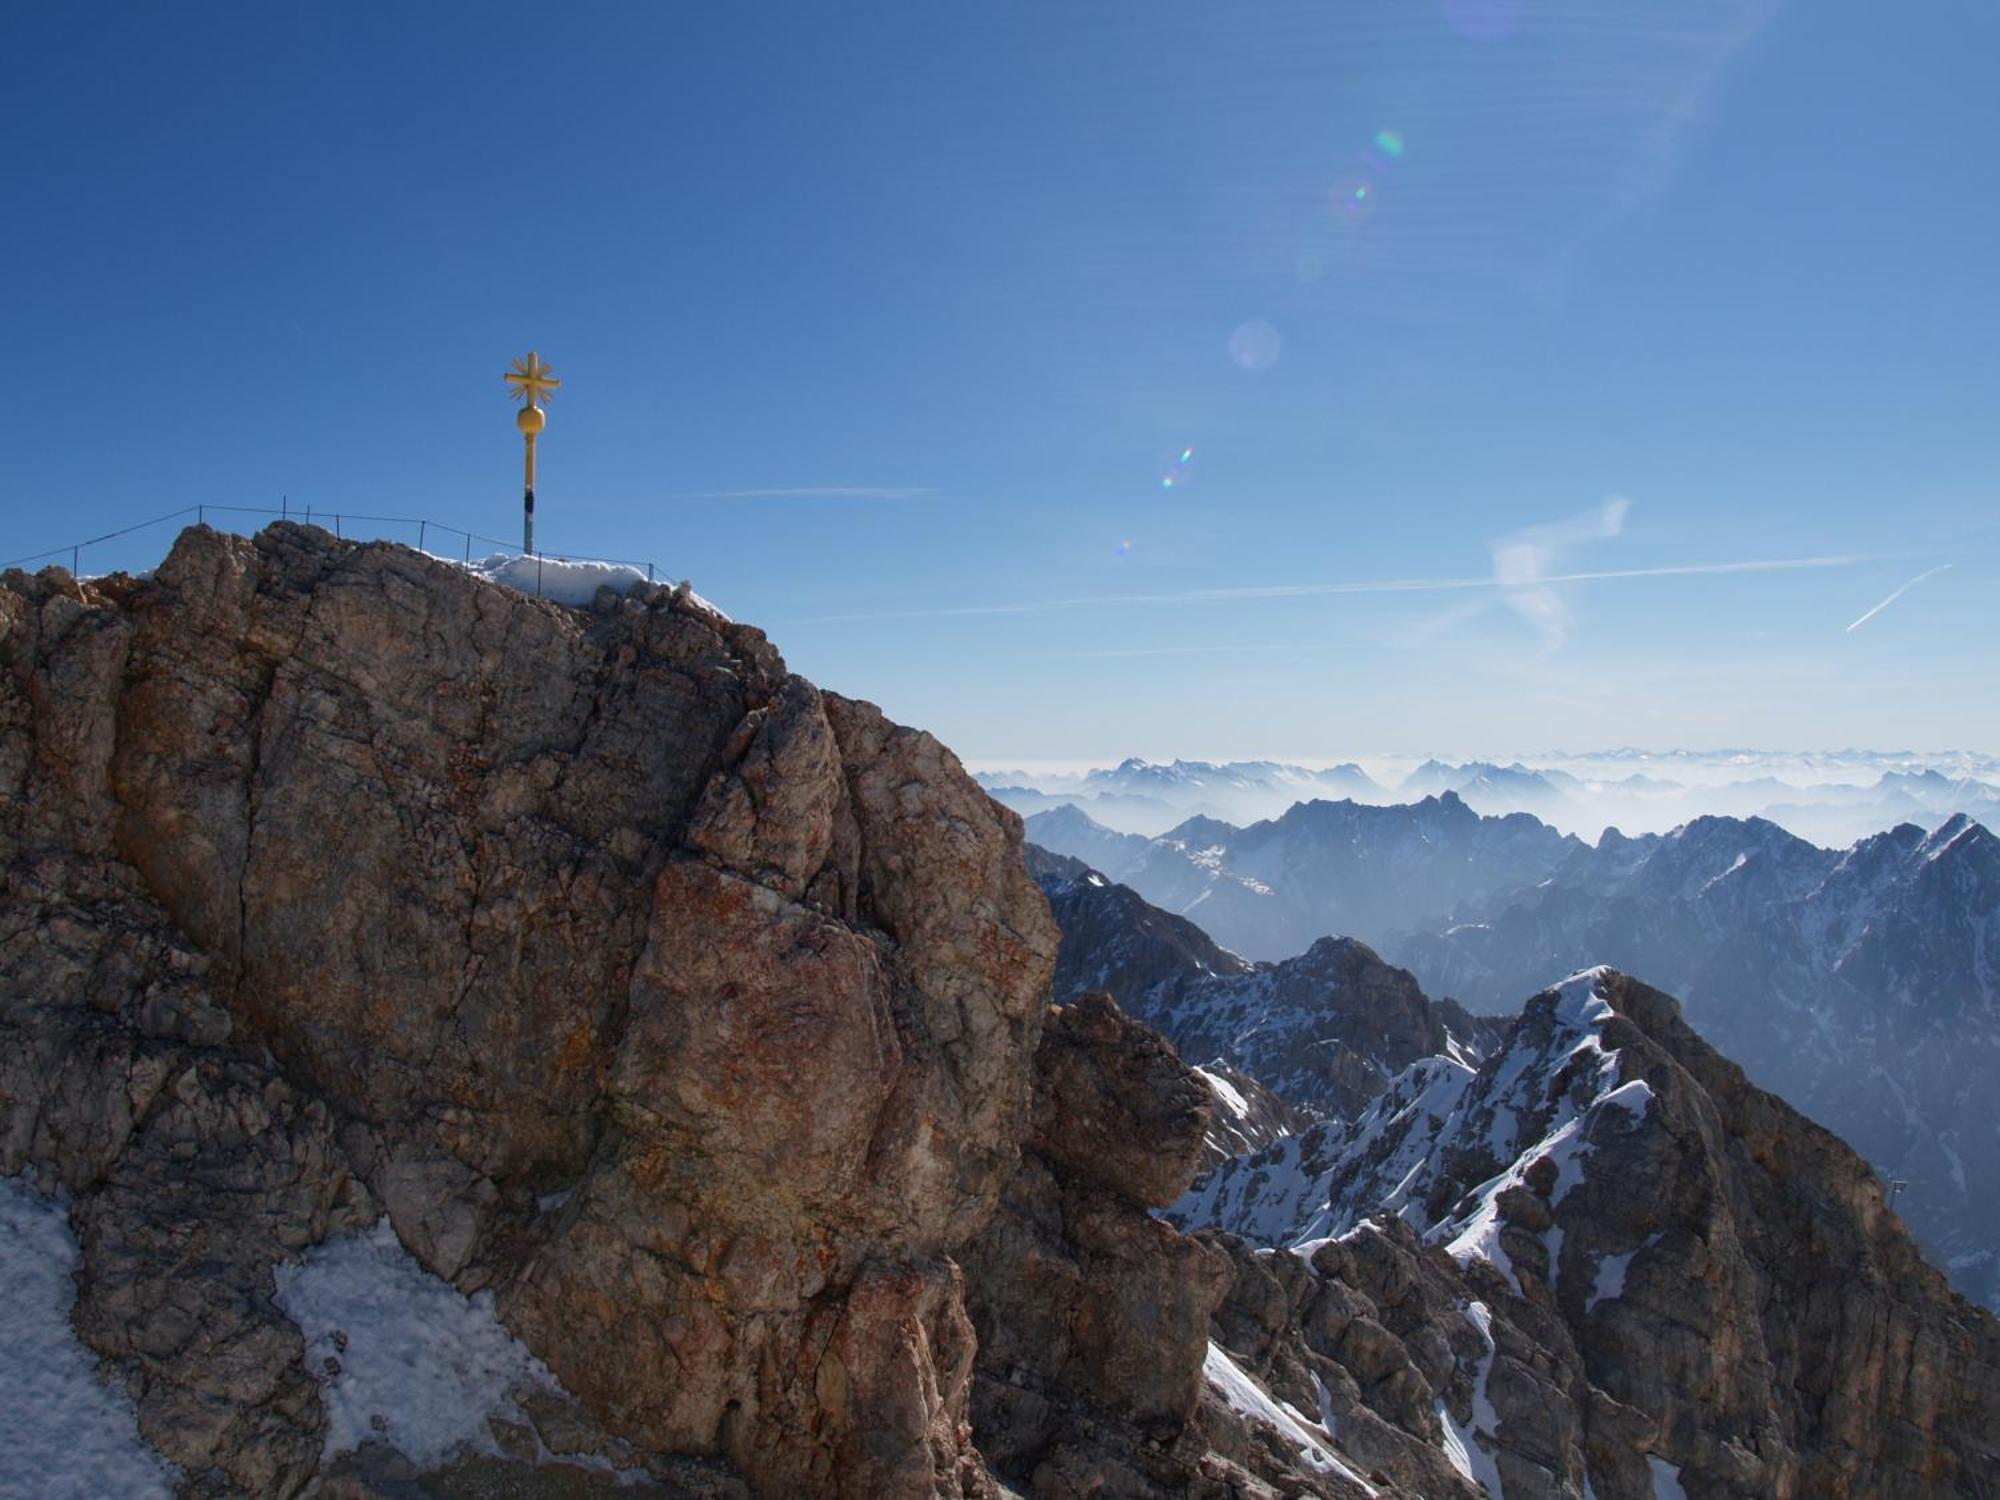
(1321, 760)
(1832, 799)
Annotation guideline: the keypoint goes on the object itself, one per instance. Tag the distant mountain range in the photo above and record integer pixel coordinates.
(1830, 799)
(1862, 985)
(1141, 796)
(1269, 890)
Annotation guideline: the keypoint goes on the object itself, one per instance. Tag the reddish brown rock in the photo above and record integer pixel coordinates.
(514, 905)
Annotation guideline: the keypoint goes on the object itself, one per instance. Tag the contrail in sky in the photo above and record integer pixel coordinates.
(822, 492)
(1897, 595)
(1307, 590)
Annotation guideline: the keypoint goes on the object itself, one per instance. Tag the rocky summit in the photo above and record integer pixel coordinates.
(683, 1008)
(458, 1044)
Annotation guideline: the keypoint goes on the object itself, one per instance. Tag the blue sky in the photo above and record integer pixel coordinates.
(886, 325)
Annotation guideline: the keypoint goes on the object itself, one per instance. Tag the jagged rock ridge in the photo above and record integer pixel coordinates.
(1547, 1181)
(1663, 1270)
(1325, 1031)
(1862, 985)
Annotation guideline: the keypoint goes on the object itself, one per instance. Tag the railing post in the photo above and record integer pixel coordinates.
(201, 515)
(538, 575)
(336, 523)
(422, 527)
(468, 548)
(75, 565)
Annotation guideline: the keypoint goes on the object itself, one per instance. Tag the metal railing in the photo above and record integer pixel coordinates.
(339, 520)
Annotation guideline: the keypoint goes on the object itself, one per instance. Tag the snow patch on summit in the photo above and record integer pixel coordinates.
(564, 580)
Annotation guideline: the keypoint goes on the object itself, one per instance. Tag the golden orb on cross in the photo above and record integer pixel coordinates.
(528, 382)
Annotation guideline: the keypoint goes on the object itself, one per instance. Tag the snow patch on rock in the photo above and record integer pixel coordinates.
(1244, 1395)
(1666, 1479)
(402, 1356)
(1462, 1445)
(64, 1431)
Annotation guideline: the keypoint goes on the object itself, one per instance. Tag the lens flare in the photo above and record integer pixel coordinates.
(1389, 143)
(1255, 345)
(1123, 549)
(1175, 471)
(1354, 197)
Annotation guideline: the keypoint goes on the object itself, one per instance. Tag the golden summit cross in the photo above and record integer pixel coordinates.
(529, 381)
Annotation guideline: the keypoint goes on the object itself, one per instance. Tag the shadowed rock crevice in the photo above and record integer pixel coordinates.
(1093, 1315)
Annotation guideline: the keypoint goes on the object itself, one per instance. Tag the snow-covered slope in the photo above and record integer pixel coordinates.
(1863, 986)
(1325, 1030)
(1601, 1264)
(1538, 1106)
(66, 1428)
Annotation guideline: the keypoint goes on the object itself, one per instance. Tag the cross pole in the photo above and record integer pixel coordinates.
(529, 382)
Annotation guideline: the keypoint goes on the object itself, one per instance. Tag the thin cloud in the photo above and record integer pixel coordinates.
(1314, 590)
(1524, 561)
(1684, 111)
(1664, 147)
(1895, 595)
(821, 492)
(1255, 648)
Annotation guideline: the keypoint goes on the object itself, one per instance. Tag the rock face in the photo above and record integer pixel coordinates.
(686, 1008)
(1661, 1266)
